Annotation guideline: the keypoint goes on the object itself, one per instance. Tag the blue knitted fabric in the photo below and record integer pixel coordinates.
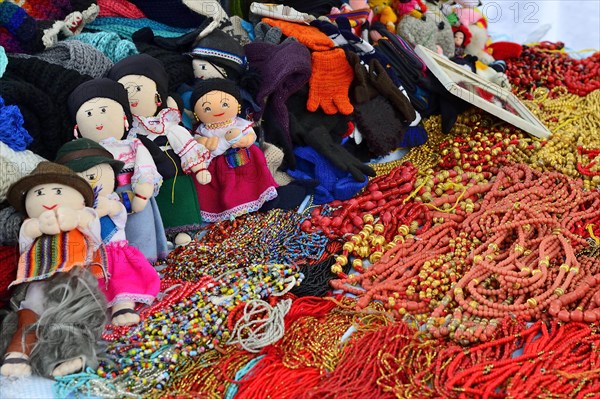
(333, 182)
(126, 27)
(20, 26)
(108, 43)
(3, 61)
(12, 132)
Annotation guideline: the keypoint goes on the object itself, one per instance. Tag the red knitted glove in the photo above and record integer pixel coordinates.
(310, 36)
(329, 83)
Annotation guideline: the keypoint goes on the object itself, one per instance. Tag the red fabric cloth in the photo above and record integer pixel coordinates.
(506, 50)
(9, 259)
(119, 8)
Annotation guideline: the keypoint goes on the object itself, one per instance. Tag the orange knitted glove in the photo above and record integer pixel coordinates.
(329, 82)
(310, 36)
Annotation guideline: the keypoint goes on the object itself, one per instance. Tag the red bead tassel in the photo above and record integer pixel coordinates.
(358, 373)
(270, 378)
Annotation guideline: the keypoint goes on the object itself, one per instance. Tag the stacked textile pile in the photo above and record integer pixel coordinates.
(470, 267)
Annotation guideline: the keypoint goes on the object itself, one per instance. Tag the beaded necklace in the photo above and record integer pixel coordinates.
(217, 125)
(548, 65)
(147, 355)
(274, 236)
(520, 258)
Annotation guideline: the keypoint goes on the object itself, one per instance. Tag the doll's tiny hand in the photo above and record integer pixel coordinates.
(84, 219)
(203, 176)
(68, 219)
(138, 204)
(103, 206)
(142, 194)
(212, 143)
(115, 207)
(233, 134)
(48, 223)
(245, 141)
(201, 140)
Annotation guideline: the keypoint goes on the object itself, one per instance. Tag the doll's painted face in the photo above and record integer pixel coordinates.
(101, 118)
(205, 70)
(101, 177)
(141, 92)
(459, 38)
(216, 106)
(49, 196)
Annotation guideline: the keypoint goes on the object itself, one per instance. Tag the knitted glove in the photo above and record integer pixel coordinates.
(264, 32)
(329, 82)
(361, 90)
(323, 133)
(378, 119)
(384, 85)
(310, 36)
(320, 139)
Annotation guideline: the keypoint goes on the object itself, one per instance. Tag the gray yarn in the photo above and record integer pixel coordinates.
(76, 55)
(72, 322)
(10, 224)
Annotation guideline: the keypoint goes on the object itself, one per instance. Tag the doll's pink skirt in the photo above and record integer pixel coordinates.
(131, 276)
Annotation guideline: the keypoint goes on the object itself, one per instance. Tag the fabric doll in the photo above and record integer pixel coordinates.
(241, 182)
(462, 38)
(219, 55)
(132, 278)
(61, 248)
(176, 154)
(101, 110)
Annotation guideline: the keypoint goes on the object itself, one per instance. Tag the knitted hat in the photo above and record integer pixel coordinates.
(223, 50)
(170, 12)
(284, 69)
(76, 55)
(206, 86)
(119, 8)
(40, 89)
(48, 172)
(82, 154)
(109, 43)
(12, 132)
(145, 65)
(3, 61)
(168, 51)
(103, 88)
(14, 165)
